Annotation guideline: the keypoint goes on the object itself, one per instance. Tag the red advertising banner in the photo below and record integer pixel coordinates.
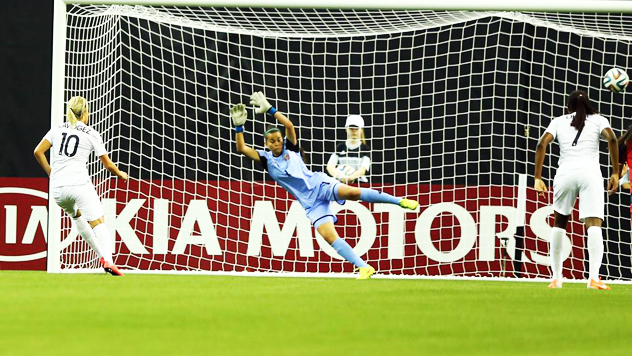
(23, 223)
(236, 226)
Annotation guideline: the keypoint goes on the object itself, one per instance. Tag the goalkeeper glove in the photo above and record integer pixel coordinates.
(239, 115)
(261, 104)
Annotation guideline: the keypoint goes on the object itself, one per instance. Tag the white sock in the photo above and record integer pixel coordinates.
(105, 241)
(555, 250)
(86, 232)
(595, 251)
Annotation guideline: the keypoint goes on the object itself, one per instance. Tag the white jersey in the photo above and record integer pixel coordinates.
(578, 152)
(71, 148)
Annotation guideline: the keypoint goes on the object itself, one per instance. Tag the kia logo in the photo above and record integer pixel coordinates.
(39, 216)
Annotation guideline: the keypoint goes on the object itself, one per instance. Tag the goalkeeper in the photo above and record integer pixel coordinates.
(314, 190)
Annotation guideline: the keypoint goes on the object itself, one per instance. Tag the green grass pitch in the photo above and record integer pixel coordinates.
(45, 314)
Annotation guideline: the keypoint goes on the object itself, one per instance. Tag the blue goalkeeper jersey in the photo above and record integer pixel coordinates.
(289, 170)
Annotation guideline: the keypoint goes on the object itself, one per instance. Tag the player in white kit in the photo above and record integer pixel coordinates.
(70, 183)
(578, 173)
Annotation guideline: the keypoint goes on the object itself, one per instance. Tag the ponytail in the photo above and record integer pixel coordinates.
(303, 155)
(362, 136)
(77, 106)
(580, 104)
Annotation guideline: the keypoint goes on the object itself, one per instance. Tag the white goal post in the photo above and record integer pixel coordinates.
(455, 95)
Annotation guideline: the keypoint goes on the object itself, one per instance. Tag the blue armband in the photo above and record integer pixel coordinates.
(272, 111)
(239, 129)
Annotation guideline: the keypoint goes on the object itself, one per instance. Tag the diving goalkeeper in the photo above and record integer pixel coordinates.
(314, 190)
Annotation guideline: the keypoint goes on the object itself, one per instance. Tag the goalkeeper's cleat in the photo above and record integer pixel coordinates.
(409, 204)
(110, 268)
(555, 284)
(593, 284)
(366, 272)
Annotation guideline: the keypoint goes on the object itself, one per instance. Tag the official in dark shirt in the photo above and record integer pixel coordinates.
(351, 161)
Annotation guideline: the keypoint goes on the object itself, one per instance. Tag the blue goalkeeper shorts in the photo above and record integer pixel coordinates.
(320, 212)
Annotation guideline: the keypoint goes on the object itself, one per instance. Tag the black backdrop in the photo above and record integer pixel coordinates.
(446, 106)
(26, 29)
(26, 32)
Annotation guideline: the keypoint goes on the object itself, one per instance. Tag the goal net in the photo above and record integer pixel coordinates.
(454, 103)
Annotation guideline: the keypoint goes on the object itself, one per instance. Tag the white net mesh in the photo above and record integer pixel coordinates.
(454, 103)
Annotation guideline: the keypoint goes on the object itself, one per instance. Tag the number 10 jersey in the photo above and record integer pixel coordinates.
(71, 148)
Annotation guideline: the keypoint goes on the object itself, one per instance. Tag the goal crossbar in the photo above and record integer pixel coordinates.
(595, 6)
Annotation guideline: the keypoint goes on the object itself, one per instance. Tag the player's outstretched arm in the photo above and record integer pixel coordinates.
(239, 115)
(111, 167)
(613, 147)
(262, 106)
(40, 155)
(540, 152)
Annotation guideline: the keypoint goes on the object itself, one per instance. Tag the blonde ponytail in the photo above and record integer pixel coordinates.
(77, 106)
(362, 136)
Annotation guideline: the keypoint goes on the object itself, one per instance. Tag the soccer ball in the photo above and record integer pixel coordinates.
(616, 79)
(345, 171)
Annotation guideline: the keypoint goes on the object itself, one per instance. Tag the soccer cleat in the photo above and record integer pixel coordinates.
(366, 272)
(408, 204)
(110, 268)
(593, 284)
(555, 284)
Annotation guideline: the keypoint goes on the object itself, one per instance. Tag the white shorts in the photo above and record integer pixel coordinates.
(589, 185)
(79, 197)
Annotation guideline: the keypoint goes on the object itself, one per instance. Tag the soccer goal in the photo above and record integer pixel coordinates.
(453, 102)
